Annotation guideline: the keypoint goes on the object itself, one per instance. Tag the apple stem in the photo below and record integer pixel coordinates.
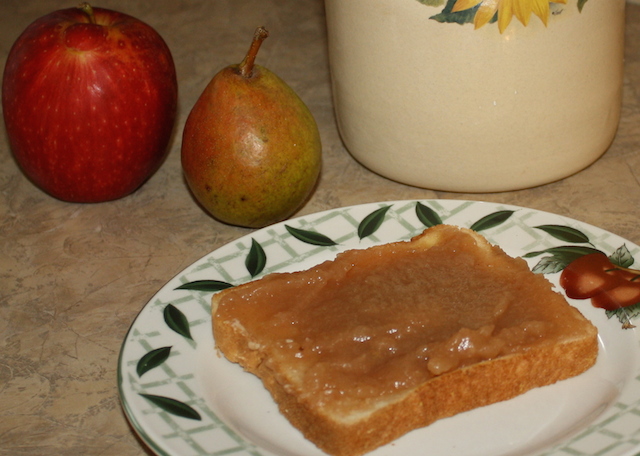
(246, 67)
(88, 10)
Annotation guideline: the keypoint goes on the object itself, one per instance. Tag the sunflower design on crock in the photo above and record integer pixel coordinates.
(505, 9)
(482, 12)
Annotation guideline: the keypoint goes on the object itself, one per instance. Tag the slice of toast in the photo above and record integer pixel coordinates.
(360, 350)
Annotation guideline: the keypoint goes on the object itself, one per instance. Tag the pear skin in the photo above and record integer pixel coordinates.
(251, 150)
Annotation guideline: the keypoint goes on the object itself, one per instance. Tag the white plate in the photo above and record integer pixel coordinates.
(230, 413)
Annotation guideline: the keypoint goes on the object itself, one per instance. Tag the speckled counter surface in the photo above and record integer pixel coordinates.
(73, 277)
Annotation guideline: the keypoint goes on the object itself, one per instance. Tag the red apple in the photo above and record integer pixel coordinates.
(89, 98)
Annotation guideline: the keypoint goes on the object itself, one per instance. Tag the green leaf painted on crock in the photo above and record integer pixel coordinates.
(173, 406)
(459, 17)
(175, 319)
(205, 285)
(581, 4)
(152, 359)
(491, 220)
(564, 233)
(427, 216)
(372, 222)
(256, 259)
(310, 237)
(622, 257)
(432, 2)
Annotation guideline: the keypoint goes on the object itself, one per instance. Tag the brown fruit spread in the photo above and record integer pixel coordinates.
(383, 320)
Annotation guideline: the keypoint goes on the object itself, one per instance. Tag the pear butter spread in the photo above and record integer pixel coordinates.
(383, 320)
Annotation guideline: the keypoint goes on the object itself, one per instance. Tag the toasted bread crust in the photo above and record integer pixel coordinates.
(443, 396)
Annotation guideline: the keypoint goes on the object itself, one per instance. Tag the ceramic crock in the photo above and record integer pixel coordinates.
(476, 95)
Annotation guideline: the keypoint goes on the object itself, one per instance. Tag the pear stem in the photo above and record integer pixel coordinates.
(246, 67)
(88, 10)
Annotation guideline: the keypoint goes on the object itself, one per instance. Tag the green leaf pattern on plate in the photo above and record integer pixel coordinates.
(491, 220)
(173, 406)
(175, 319)
(205, 285)
(625, 315)
(256, 260)
(372, 222)
(310, 237)
(152, 359)
(427, 216)
(560, 257)
(564, 233)
(622, 257)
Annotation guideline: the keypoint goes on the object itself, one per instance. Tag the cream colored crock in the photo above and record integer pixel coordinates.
(529, 97)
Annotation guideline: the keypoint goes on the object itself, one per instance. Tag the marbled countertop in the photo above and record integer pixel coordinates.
(73, 277)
